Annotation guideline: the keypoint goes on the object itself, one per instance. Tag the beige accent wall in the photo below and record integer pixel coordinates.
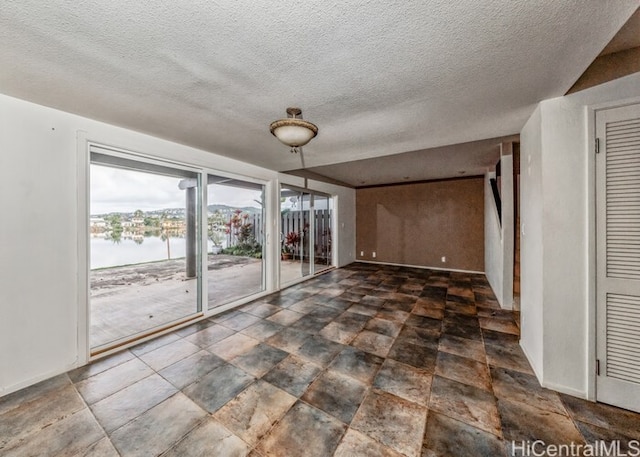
(418, 224)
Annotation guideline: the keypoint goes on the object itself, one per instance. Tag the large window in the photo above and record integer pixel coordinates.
(144, 247)
(235, 232)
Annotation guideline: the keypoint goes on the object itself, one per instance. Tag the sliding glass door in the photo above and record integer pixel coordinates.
(305, 221)
(144, 247)
(235, 232)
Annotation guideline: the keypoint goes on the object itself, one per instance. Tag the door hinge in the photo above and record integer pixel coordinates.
(597, 145)
(597, 367)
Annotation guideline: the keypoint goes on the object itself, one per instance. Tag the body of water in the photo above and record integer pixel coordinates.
(106, 253)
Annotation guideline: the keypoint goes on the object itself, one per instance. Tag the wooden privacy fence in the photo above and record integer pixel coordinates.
(298, 222)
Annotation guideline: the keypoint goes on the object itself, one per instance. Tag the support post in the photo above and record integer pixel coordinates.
(191, 236)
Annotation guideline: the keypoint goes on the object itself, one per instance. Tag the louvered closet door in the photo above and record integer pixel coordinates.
(618, 256)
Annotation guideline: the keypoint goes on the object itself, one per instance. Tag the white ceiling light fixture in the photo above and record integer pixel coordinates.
(293, 131)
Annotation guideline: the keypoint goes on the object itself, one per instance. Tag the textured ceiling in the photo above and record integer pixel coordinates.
(378, 77)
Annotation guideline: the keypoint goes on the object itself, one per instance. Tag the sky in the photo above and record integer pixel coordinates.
(118, 190)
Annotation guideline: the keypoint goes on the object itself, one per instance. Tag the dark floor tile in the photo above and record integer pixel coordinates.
(357, 364)
(127, 404)
(469, 404)
(524, 423)
(101, 448)
(339, 304)
(304, 431)
(384, 327)
(357, 444)
(288, 339)
(188, 370)
(71, 435)
(251, 414)
(309, 324)
(293, 375)
(427, 310)
(601, 415)
(468, 309)
(405, 381)
(169, 354)
(233, 346)
(262, 310)
(155, 343)
(339, 333)
(285, 317)
(517, 386)
(260, 359)
(38, 412)
(493, 313)
(593, 434)
(392, 421)
(353, 320)
(499, 325)
(194, 328)
(462, 331)
(374, 343)
(451, 317)
(98, 366)
(425, 323)
(419, 336)
(398, 305)
(112, 380)
(423, 357)
(434, 292)
(372, 300)
(33, 393)
(240, 321)
(508, 355)
(210, 438)
(336, 394)
(215, 389)
(464, 370)
(500, 338)
(464, 347)
(446, 437)
(262, 330)
(319, 350)
(158, 429)
(393, 315)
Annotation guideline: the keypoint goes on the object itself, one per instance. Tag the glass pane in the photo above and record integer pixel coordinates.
(295, 237)
(144, 244)
(235, 238)
(322, 231)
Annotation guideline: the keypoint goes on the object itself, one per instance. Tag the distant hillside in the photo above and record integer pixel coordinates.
(228, 209)
(179, 212)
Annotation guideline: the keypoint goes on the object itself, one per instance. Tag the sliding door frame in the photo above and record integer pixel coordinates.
(84, 145)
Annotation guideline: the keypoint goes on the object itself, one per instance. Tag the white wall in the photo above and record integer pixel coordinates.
(557, 213)
(493, 258)
(531, 284)
(498, 236)
(41, 230)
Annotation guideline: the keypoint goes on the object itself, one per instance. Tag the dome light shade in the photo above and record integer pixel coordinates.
(293, 131)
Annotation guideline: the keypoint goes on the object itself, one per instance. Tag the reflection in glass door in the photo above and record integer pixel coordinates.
(144, 245)
(306, 234)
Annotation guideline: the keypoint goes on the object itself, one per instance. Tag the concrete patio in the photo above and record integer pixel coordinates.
(132, 299)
